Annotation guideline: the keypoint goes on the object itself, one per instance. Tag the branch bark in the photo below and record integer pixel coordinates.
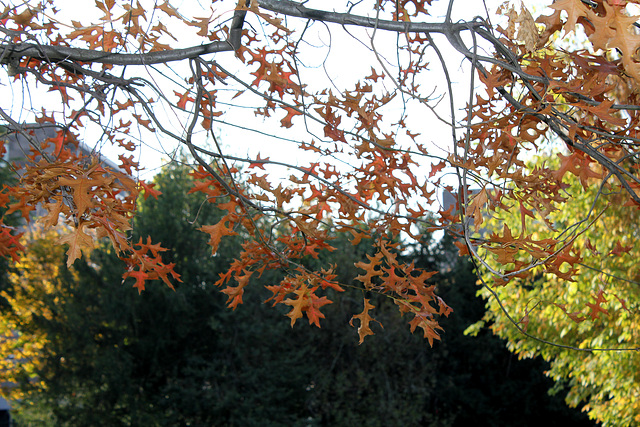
(292, 8)
(62, 53)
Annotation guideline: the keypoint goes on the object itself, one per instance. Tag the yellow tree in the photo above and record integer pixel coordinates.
(27, 303)
(588, 310)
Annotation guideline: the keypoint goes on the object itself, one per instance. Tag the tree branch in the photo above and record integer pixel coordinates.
(11, 51)
(62, 53)
(292, 8)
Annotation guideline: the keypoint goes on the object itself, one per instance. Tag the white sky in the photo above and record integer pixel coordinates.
(342, 64)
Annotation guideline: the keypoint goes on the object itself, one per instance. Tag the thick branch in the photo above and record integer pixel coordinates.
(62, 53)
(292, 8)
(10, 51)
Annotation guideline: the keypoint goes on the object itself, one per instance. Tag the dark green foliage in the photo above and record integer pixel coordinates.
(395, 379)
(478, 379)
(173, 358)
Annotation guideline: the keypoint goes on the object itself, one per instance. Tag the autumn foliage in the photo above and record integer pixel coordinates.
(536, 143)
(365, 166)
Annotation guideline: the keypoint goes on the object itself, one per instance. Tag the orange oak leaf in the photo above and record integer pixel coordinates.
(313, 309)
(596, 308)
(162, 271)
(23, 206)
(574, 8)
(10, 242)
(82, 186)
(463, 249)
(259, 162)
(298, 305)
(374, 76)
(217, 231)
(575, 316)
(169, 10)
(235, 293)
(603, 111)
(365, 319)
(144, 122)
(370, 268)
(291, 112)
(619, 249)
(475, 208)
(154, 248)
(436, 168)
(148, 189)
(358, 236)
(140, 276)
(78, 241)
(429, 326)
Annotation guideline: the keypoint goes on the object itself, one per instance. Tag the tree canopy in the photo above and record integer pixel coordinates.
(355, 150)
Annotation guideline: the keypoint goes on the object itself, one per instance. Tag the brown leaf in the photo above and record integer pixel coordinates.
(78, 241)
(527, 31)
